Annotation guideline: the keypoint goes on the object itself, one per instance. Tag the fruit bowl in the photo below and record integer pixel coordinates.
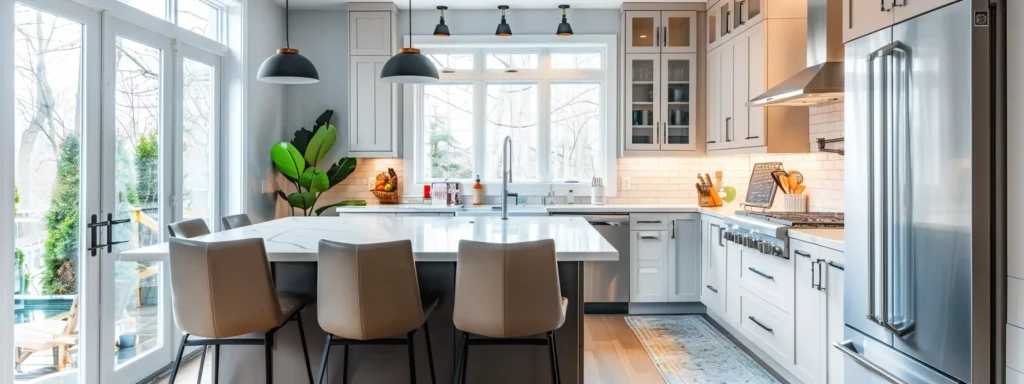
(385, 197)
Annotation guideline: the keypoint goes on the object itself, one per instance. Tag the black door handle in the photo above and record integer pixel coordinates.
(110, 231)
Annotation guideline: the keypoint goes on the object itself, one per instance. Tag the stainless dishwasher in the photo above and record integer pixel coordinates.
(606, 283)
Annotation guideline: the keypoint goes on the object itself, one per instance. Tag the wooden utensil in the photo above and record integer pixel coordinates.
(781, 179)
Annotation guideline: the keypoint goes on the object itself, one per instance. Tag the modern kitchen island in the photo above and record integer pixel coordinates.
(292, 245)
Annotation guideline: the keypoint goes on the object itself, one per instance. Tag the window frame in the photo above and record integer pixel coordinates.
(545, 76)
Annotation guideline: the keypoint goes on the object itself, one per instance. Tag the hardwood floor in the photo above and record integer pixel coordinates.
(612, 355)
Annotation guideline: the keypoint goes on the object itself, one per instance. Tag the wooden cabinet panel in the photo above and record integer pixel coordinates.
(909, 9)
(371, 116)
(862, 17)
(727, 89)
(714, 119)
(740, 88)
(756, 67)
(370, 33)
(809, 351)
(713, 264)
(834, 321)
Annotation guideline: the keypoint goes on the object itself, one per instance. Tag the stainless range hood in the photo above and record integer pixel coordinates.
(822, 81)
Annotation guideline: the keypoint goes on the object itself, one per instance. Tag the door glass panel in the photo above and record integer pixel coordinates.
(642, 84)
(679, 31)
(198, 122)
(575, 130)
(643, 32)
(48, 101)
(678, 96)
(138, 115)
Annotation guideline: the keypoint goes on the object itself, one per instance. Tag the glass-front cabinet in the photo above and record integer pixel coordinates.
(661, 31)
(660, 102)
(677, 72)
(727, 18)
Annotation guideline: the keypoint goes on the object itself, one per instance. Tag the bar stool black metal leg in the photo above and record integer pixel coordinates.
(202, 363)
(554, 349)
(305, 351)
(268, 349)
(465, 358)
(177, 360)
(554, 359)
(344, 367)
(216, 364)
(323, 360)
(410, 340)
(430, 353)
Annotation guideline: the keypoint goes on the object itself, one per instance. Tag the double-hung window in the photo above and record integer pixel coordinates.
(556, 102)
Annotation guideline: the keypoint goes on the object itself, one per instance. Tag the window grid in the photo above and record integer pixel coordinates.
(544, 76)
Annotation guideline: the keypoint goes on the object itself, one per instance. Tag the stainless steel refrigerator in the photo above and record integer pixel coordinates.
(925, 199)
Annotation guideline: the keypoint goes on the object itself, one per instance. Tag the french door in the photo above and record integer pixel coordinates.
(114, 133)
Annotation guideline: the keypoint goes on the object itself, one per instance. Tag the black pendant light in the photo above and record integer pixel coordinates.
(409, 66)
(564, 29)
(287, 66)
(503, 28)
(441, 30)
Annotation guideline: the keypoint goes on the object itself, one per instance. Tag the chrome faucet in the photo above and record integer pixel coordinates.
(506, 174)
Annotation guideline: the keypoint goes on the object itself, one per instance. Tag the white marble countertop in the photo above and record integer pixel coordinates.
(825, 237)
(557, 208)
(433, 238)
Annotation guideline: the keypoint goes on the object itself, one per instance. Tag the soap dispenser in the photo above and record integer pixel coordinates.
(478, 192)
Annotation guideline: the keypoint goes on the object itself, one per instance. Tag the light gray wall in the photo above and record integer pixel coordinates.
(264, 103)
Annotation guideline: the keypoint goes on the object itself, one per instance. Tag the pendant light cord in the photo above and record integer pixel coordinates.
(410, 23)
(287, 43)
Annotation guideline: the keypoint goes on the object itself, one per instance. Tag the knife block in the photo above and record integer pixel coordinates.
(711, 200)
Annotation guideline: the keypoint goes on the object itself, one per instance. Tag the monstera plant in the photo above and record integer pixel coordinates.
(298, 161)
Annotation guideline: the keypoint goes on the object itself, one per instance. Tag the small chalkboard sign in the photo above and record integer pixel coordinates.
(761, 190)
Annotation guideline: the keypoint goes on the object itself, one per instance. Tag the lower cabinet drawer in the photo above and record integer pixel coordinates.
(770, 277)
(766, 326)
(713, 297)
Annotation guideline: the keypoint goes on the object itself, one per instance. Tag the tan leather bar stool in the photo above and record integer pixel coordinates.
(188, 229)
(369, 295)
(506, 293)
(222, 290)
(236, 221)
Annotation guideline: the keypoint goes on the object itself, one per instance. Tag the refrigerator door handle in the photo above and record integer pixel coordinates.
(847, 348)
(877, 171)
(900, 322)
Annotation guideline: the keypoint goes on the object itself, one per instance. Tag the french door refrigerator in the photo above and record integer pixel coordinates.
(924, 171)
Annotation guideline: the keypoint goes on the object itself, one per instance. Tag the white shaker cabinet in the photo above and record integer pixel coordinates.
(818, 314)
(713, 265)
(649, 267)
(373, 104)
(684, 258)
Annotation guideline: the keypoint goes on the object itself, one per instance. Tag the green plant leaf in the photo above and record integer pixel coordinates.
(325, 118)
(314, 180)
(346, 203)
(321, 143)
(301, 200)
(287, 160)
(340, 170)
(302, 138)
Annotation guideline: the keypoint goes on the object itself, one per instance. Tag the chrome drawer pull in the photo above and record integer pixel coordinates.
(712, 289)
(764, 275)
(761, 325)
(648, 222)
(847, 348)
(802, 253)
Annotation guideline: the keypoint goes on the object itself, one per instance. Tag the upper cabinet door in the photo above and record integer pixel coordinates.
(908, 9)
(370, 33)
(678, 87)
(861, 17)
(643, 98)
(678, 31)
(643, 29)
(371, 129)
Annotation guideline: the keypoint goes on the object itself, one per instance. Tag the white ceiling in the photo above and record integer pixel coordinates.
(474, 4)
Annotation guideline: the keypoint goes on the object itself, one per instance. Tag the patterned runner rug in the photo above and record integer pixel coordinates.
(688, 349)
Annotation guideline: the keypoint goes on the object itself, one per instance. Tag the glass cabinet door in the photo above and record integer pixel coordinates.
(644, 118)
(678, 70)
(725, 13)
(679, 31)
(644, 31)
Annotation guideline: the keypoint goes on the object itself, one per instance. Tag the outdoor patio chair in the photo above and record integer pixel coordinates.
(59, 333)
